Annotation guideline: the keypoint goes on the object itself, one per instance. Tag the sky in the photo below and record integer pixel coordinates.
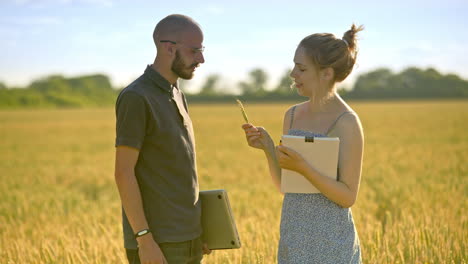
(114, 37)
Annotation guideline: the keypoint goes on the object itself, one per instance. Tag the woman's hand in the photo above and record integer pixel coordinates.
(257, 137)
(290, 159)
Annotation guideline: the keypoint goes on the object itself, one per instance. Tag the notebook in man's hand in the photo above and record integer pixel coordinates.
(320, 152)
(219, 227)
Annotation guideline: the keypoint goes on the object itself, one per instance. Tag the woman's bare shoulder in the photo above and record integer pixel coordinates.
(349, 125)
(296, 107)
(288, 115)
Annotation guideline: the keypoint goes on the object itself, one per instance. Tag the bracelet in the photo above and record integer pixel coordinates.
(142, 233)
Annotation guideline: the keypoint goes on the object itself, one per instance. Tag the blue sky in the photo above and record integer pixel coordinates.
(114, 37)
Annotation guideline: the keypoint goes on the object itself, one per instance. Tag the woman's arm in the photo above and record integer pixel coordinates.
(273, 166)
(344, 191)
(258, 137)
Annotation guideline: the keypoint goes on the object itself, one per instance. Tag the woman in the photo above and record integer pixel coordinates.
(318, 228)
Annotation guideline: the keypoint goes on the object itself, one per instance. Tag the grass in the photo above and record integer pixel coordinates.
(59, 202)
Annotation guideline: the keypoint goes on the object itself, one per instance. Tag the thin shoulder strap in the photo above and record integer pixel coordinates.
(292, 117)
(336, 121)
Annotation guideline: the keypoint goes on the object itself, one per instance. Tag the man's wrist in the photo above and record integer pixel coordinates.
(145, 240)
(142, 232)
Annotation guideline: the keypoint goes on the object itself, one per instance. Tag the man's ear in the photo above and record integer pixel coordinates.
(169, 48)
(327, 74)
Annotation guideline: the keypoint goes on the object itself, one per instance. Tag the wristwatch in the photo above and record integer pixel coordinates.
(142, 233)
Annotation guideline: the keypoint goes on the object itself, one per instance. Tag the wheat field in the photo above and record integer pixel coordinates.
(59, 202)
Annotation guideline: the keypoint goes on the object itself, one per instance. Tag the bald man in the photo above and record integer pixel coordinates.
(155, 166)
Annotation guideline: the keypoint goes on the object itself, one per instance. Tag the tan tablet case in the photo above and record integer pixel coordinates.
(219, 227)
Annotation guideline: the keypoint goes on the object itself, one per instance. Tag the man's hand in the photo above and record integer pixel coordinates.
(206, 250)
(149, 251)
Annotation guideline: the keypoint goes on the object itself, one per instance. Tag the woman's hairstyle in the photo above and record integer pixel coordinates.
(327, 51)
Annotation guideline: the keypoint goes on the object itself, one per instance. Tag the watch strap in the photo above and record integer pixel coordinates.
(142, 232)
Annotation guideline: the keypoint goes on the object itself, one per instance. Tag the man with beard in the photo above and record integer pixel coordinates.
(155, 166)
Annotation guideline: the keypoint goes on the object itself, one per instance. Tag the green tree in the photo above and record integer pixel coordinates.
(50, 85)
(284, 85)
(256, 84)
(412, 82)
(209, 87)
(372, 84)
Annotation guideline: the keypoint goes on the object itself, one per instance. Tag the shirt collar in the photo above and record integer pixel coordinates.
(159, 80)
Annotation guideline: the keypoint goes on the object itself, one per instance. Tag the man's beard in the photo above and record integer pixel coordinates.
(179, 68)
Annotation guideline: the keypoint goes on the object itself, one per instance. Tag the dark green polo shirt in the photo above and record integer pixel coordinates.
(152, 117)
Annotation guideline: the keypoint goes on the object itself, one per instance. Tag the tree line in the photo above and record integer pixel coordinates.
(58, 91)
(96, 90)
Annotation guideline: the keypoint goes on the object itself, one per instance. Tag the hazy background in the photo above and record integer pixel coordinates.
(114, 37)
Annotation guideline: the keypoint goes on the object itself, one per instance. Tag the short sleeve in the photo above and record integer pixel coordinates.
(131, 116)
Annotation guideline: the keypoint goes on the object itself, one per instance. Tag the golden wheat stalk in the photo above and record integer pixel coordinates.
(243, 110)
